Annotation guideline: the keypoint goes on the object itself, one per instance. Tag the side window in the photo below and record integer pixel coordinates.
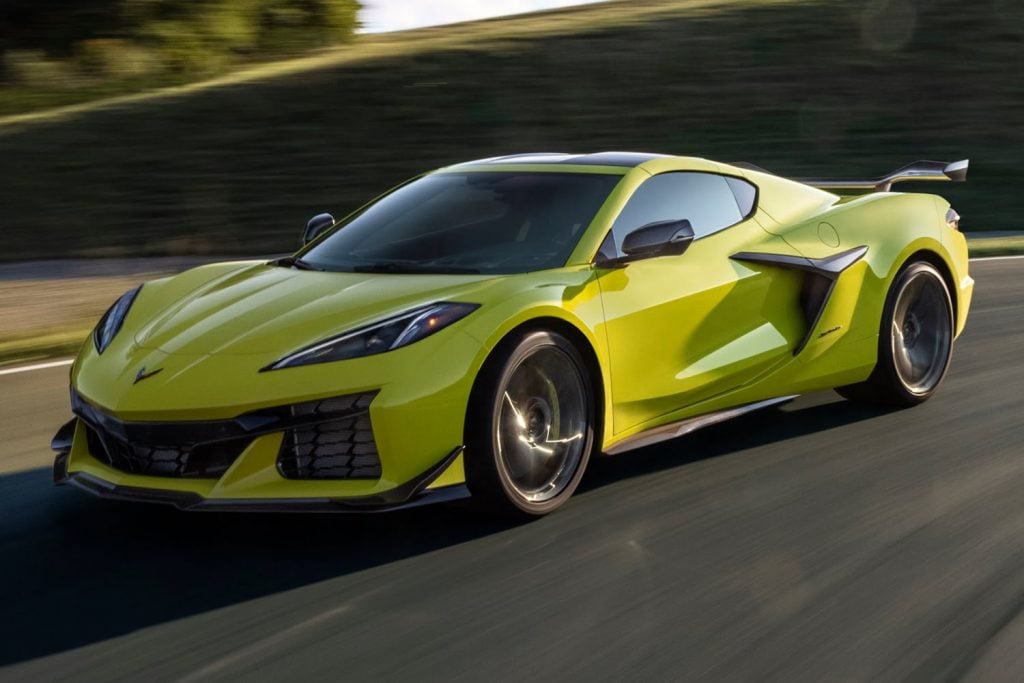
(710, 202)
(745, 193)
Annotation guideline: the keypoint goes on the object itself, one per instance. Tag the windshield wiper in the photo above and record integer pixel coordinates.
(412, 268)
(292, 262)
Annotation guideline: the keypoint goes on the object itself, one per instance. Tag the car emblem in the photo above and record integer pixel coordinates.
(142, 374)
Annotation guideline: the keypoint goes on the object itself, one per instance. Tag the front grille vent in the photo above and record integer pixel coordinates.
(208, 460)
(335, 448)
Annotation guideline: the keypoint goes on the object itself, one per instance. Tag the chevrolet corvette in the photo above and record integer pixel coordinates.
(484, 330)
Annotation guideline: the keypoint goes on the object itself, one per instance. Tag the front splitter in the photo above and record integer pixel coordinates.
(409, 495)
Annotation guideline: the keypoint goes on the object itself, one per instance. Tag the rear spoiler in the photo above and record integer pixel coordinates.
(918, 171)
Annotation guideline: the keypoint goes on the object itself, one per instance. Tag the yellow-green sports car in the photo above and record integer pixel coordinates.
(485, 329)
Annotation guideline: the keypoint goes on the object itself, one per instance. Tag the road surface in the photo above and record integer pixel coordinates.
(819, 541)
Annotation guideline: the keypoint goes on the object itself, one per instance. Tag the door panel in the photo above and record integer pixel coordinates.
(682, 329)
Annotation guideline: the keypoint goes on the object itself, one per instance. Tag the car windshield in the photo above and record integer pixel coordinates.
(476, 222)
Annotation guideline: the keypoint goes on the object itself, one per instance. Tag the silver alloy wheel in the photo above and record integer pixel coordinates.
(542, 423)
(922, 332)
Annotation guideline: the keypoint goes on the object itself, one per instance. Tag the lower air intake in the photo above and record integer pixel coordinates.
(181, 460)
(335, 448)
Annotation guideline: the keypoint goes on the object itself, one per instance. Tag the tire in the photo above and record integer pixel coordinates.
(531, 425)
(915, 341)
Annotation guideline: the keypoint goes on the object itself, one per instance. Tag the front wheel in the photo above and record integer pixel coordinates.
(530, 429)
(915, 341)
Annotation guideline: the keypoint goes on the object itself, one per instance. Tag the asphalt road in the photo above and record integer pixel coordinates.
(819, 541)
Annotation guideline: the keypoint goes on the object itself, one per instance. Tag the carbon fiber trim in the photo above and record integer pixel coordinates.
(691, 424)
(410, 494)
(955, 171)
(64, 436)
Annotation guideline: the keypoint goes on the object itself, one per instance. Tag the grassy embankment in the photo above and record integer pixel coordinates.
(50, 318)
(797, 87)
(996, 246)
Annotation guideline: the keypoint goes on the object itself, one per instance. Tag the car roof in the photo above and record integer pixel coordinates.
(623, 159)
(599, 162)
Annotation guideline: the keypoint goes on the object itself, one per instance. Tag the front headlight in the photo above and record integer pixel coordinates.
(386, 335)
(110, 323)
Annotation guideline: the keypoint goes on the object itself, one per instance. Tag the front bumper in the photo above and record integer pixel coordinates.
(417, 418)
(257, 461)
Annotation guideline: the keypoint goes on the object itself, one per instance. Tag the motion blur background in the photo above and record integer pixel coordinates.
(187, 128)
(303, 114)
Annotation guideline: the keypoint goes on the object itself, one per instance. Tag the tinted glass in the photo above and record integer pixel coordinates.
(704, 199)
(469, 222)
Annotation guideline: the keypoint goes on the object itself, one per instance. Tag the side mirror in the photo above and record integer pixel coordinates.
(316, 225)
(664, 238)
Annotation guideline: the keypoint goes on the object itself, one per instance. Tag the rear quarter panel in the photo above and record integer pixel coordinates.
(894, 226)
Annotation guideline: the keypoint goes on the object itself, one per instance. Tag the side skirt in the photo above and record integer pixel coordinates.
(691, 424)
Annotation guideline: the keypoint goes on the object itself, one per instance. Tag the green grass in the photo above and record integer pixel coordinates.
(52, 344)
(51, 317)
(238, 164)
(996, 246)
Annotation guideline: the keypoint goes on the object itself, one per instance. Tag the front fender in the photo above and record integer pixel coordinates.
(570, 295)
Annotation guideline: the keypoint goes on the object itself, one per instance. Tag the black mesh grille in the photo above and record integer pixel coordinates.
(352, 404)
(329, 438)
(341, 448)
(194, 460)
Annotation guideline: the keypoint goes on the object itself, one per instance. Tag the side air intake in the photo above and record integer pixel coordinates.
(820, 277)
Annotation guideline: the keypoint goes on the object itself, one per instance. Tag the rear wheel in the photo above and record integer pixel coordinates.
(915, 341)
(530, 430)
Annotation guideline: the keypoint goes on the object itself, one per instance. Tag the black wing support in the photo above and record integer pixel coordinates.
(820, 277)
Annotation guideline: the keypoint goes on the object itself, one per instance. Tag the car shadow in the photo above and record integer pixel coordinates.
(806, 415)
(79, 570)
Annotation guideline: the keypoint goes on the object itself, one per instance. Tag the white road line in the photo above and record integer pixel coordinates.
(37, 366)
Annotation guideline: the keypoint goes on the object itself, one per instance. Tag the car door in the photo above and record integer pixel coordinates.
(683, 329)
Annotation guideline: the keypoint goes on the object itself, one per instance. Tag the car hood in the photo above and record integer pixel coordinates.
(259, 308)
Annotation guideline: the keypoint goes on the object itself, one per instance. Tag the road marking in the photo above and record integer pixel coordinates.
(997, 258)
(38, 366)
(266, 647)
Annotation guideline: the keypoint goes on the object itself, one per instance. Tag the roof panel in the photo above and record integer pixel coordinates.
(624, 159)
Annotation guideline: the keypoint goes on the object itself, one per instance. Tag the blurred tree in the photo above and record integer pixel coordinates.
(179, 35)
(54, 26)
